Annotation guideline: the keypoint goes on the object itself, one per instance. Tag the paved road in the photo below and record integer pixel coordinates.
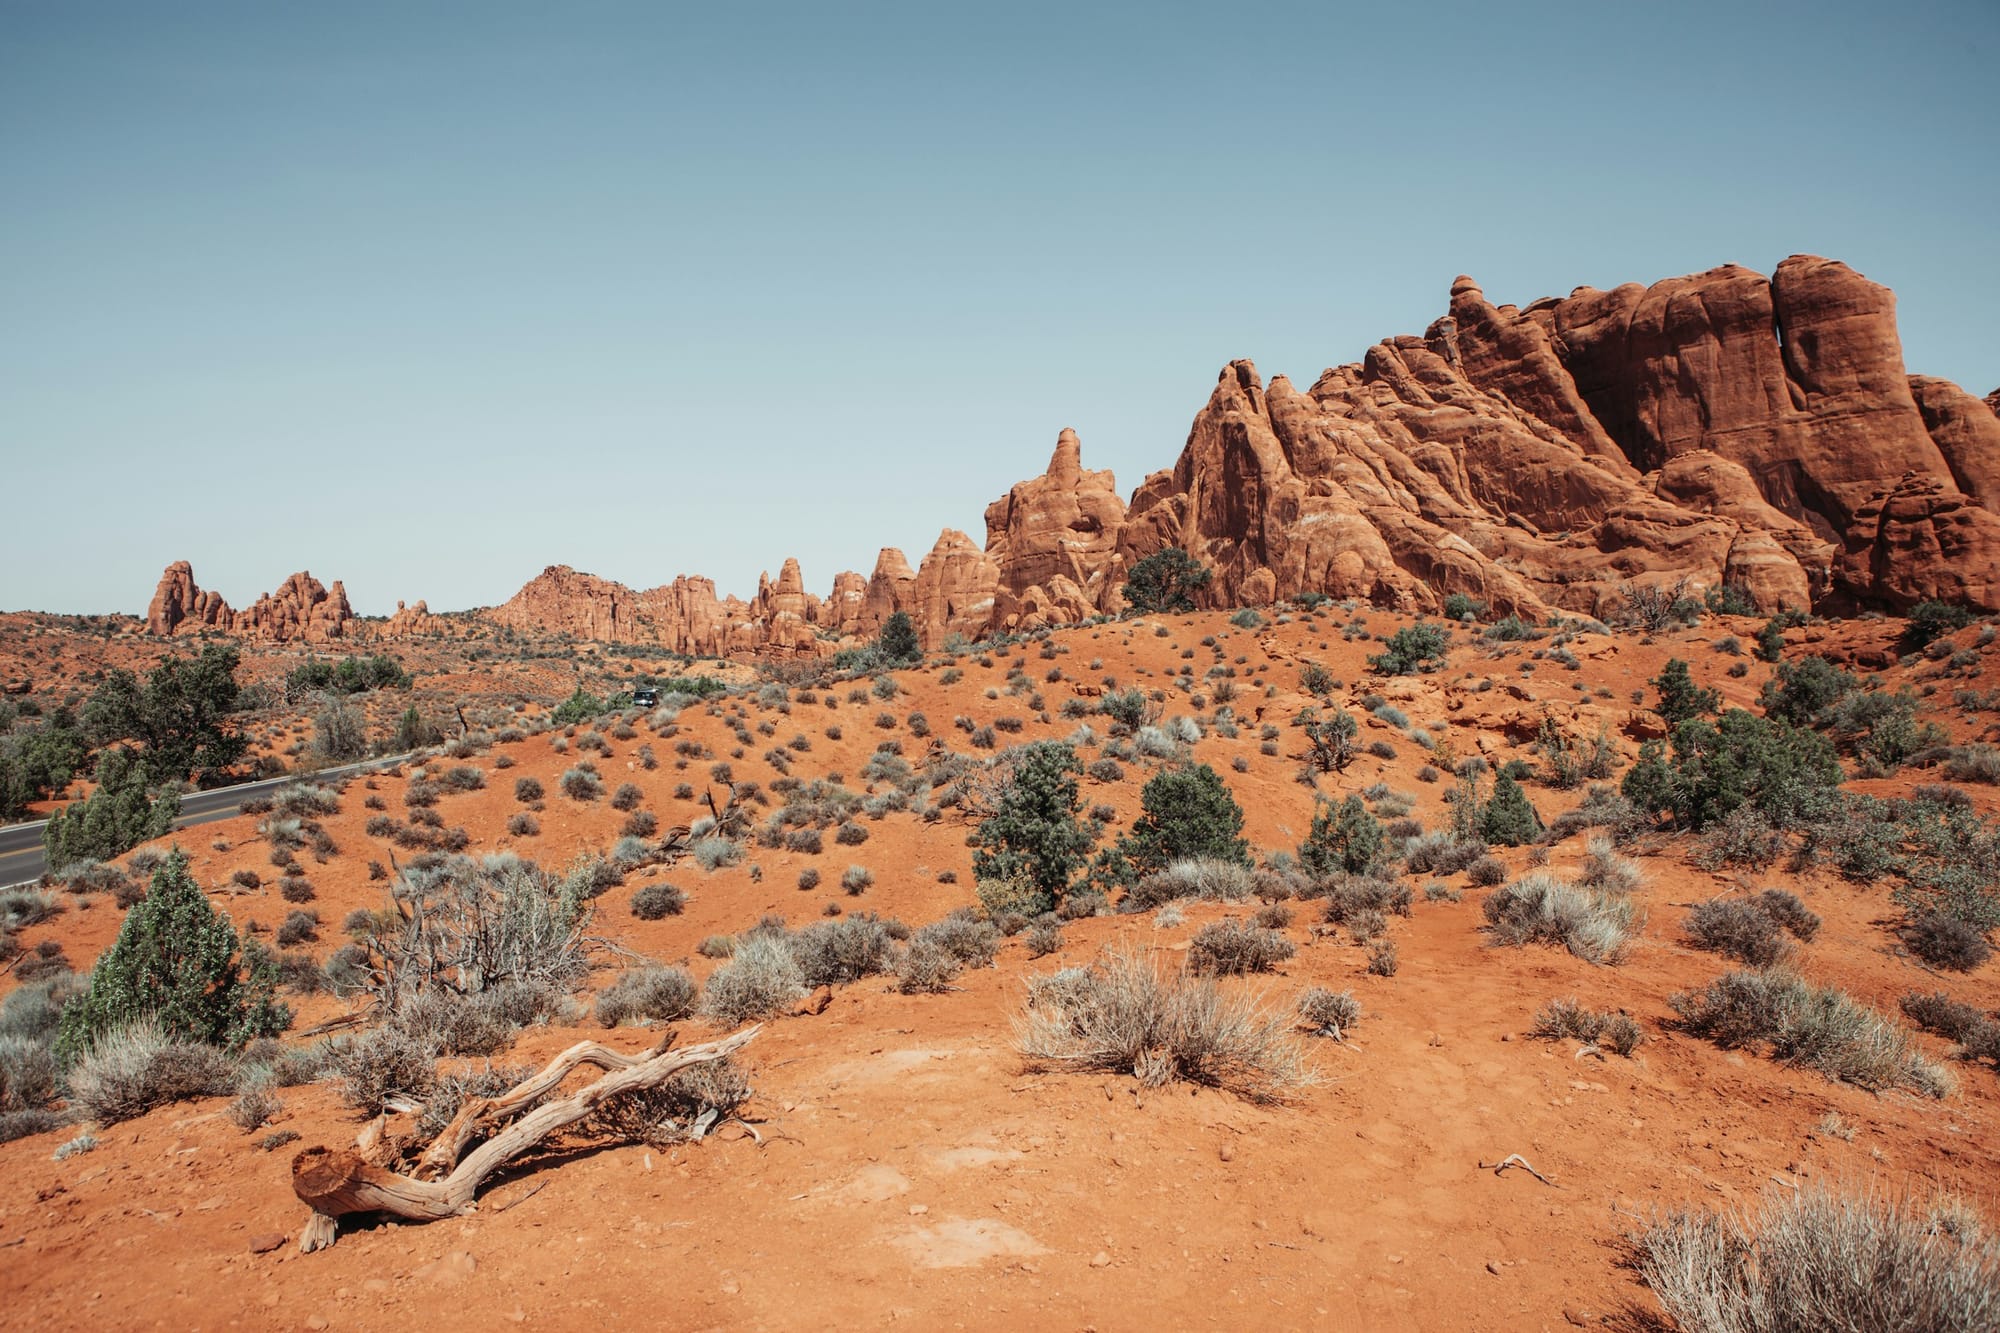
(21, 860)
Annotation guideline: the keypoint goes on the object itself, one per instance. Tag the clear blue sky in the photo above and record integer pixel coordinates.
(427, 296)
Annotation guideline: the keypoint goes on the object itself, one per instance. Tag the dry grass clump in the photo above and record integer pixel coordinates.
(942, 950)
(1820, 1259)
(650, 994)
(761, 978)
(1605, 870)
(131, 1070)
(1567, 1018)
(1231, 948)
(1124, 1015)
(1817, 1027)
(1328, 1013)
(1538, 907)
(1197, 877)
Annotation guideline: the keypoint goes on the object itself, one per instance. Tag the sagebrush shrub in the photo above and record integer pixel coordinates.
(1124, 1015)
(656, 994)
(761, 978)
(844, 950)
(1947, 942)
(1230, 948)
(129, 1070)
(1740, 930)
(1815, 1259)
(1538, 907)
(656, 901)
(1820, 1028)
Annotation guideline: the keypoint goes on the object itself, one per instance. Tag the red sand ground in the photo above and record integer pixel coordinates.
(913, 1172)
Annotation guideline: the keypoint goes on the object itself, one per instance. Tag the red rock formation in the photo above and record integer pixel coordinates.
(684, 616)
(177, 601)
(846, 606)
(1925, 539)
(1722, 427)
(1782, 445)
(560, 600)
(890, 590)
(410, 622)
(1966, 431)
(300, 609)
(953, 590)
(1799, 379)
(1055, 540)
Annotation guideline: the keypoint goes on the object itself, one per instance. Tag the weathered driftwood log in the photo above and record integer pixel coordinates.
(334, 1182)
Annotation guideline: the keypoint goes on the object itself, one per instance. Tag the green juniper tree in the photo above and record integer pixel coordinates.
(1508, 818)
(1344, 838)
(1035, 833)
(1165, 581)
(898, 641)
(176, 962)
(1680, 697)
(1188, 812)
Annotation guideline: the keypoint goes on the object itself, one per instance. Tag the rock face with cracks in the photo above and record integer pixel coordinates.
(1724, 428)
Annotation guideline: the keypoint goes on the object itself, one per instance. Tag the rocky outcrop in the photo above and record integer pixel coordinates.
(684, 616)
(1798, 379)
(177, 601)
(1054, 540)
(1966, 432)
(410, 622)
(953, 592)
(301, 609)
(1723, 427)
(890, 589)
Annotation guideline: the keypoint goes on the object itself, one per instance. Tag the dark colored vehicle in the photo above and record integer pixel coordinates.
(645, 697)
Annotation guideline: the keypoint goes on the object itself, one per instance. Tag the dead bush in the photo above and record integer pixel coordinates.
(1328, 1013)
(131, 1070)
(1124, 1015)
(685, 1107)
(1820, 1028)
(1540, 908)
(1816, 1259)
(649, 994)
(1231, 948)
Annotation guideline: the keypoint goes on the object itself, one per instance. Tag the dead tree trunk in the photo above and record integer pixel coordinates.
(334, 1182)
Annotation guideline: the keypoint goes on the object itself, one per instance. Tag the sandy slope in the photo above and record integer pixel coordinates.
(913, 1172)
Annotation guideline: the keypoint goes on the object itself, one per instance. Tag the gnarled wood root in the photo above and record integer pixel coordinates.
(334, 1182)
